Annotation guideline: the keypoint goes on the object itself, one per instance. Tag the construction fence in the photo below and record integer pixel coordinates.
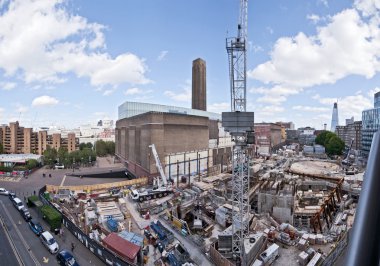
(88, 188)
(337, 251)
(105, 255)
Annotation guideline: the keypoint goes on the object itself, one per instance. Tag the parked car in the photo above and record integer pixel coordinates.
(3, 191)
(59, 166)
(18, 203)
(49, 242)
(11, 195)
(65, 258)
(35, 227)
(25, 214)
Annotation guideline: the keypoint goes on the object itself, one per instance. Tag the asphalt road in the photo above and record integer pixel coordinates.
(8, 253)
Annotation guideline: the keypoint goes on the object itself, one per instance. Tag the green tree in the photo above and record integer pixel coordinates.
(62, 155)
(110, 147)
(332, 143)
(1, 149)
(324, 137)
(32, 163)
(87, 145)
(101, 148)
(105, 147)
(334, 146)
(82, 146)
(50, 156)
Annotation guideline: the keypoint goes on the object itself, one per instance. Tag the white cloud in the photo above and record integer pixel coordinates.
(219, 107)
(268, 99)
(270, 30)
(367, 7)
(45, 101)
(183, 96)
(263, 113)
(162, 55)
(58, 43)
(314, 18)
(133, 91)
(275, 95)
(7, 86)
(347, 45)
(348, 106)
(310, 108)
(108, 92)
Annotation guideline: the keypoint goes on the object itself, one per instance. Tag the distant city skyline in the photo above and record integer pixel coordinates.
(69, 63)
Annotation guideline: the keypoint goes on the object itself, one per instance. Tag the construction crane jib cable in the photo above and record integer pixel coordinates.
(240, 124)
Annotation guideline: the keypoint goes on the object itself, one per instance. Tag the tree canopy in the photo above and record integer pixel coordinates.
(104, 147)
(32, 163)
(85, 156)
(332, 143)
(50, 155)
(324, 137)
(85, 145)
(1, 149)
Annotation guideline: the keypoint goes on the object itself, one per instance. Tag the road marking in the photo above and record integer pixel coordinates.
(10, 240)
(10, 179)
(63, 181)
(20, 236)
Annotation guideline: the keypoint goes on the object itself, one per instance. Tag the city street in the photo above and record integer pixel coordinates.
(29, 247)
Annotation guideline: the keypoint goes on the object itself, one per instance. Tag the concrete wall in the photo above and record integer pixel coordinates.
(279, 206)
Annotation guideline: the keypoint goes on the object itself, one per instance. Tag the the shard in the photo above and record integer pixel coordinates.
(334, 118)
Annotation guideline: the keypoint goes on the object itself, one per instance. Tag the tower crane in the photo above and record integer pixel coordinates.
(240, 124)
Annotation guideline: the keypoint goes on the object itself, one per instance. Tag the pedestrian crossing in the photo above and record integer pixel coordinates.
(10, 178)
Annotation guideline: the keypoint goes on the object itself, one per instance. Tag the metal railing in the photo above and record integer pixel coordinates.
(364, 245)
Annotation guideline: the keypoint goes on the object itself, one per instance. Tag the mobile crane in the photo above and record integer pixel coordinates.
(161, 186)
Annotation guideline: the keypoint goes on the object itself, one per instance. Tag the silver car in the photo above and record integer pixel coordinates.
(3, 191)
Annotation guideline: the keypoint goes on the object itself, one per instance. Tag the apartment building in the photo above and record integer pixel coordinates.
(19, 140)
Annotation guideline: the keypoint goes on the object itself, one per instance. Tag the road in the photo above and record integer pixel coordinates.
(196, 255)
(8, 253)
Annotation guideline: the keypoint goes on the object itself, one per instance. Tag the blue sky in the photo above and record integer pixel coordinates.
(67, 63)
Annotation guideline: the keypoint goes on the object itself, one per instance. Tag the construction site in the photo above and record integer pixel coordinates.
(300, 212)
(203, 190)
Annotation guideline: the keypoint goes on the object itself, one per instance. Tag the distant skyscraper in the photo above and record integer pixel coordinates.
(199, 85)
(334, 118)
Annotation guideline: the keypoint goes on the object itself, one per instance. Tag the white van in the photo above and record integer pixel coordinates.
(49, 242)
(18, 204)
